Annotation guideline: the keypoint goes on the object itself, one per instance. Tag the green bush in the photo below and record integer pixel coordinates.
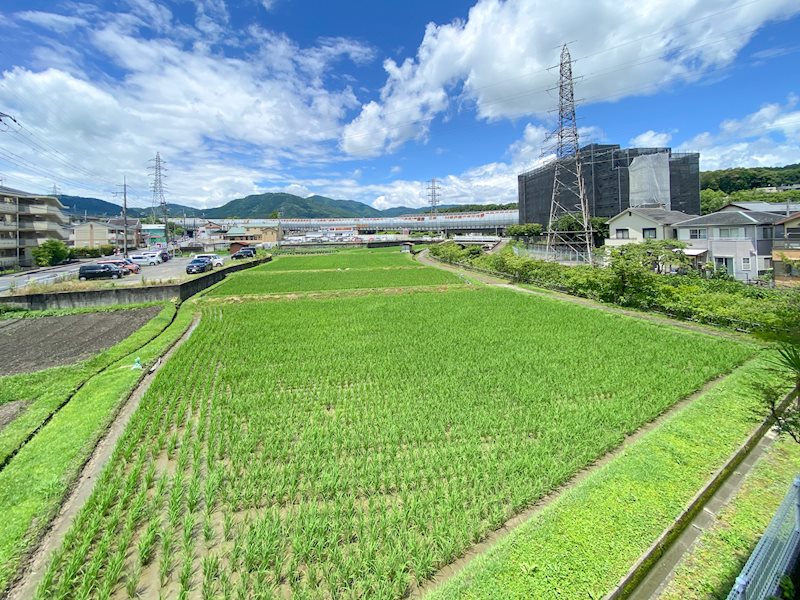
(50, 252)
(86, 252)
(629, 280)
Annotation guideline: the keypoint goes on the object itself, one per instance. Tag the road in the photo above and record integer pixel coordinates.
(172, 269)
(49, 275)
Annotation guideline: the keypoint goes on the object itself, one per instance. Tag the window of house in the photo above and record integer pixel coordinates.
(698, 234)
(649, 233)
(730, 232)
(745, 263)
(767, 233)
(623, 234)
(767, 263)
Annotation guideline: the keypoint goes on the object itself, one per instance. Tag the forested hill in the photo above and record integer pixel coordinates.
(741, 178)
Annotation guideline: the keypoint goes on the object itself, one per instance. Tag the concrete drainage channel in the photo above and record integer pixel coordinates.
(653, 569)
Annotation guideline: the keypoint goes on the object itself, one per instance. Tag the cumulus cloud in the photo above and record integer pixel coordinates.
(201, 109)
(767, 137)
(498, 59)
(651, 139)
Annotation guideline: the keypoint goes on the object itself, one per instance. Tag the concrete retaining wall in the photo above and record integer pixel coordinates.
(125, 295)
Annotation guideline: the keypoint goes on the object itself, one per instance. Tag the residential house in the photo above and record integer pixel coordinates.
(738, 241)
(26, 221)
(111, 232)
(786, 252)
(771, 207)
(252, 234)
(640, 223)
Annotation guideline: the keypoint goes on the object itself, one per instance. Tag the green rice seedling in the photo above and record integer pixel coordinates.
(147, 542)
(188, 529)
(210, 567)
(193, 494)
(132, 581)
(187, 568)
(227, 526)
(208, 528)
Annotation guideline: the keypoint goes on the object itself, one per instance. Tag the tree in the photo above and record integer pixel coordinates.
(524, 230)
(788, 420)
(712, 200)
(50, 252)
(634, 267)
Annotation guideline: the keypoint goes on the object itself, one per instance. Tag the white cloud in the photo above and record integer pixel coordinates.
(500, 56)
(768, 137)
(52, 21)
(651, 139)
(200, 109)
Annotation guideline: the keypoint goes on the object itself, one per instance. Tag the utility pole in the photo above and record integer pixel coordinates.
(125, 216)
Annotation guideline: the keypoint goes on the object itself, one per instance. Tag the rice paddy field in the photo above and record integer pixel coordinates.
(350, 446)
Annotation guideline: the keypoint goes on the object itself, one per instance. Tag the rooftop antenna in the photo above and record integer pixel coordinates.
(569, 195)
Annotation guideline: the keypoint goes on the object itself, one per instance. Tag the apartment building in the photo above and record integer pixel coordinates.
(27, 220)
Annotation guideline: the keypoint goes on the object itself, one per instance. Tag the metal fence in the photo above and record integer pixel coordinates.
(774, 554)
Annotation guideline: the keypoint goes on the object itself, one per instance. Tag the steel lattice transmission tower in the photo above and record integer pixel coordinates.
(158, 171)
(569, 195)
(433, 195)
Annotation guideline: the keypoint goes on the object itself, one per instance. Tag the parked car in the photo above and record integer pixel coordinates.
(122, 263)
(216, 259)
(244, 253)
(98, 271)
(198, 265)
(155, 255)
(144, 259)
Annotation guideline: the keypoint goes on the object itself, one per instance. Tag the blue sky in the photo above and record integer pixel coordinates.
(369, 100)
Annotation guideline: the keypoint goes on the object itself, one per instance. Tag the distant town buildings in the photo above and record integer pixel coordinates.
(109, 232)
(26, 221)
(618, 178)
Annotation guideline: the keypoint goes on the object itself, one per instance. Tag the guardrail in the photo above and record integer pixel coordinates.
(775, 552)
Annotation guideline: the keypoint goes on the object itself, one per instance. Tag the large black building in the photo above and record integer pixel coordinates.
(616, 178)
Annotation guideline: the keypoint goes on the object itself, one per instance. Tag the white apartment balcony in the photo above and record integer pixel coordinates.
(7, 244)
(8, 208)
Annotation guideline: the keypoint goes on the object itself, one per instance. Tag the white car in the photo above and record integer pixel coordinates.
(216, 259)
(155, 255)
(144, 259)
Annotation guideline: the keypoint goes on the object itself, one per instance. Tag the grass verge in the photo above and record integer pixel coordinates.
(583, 543)
(36, 481)
(711, 567)
(49, 389)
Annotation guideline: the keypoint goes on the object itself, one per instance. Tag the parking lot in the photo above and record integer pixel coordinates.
(172, 270)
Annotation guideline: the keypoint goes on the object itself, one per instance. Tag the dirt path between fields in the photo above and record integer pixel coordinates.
(84, 486)
(661, 320)
(492, 539)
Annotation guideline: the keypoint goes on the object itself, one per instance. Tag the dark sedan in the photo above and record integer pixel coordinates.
(199, 265)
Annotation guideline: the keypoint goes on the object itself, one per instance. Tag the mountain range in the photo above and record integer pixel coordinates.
(259, 206)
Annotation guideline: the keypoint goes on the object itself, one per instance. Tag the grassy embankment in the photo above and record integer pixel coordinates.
(36, 480)
(47, 390)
